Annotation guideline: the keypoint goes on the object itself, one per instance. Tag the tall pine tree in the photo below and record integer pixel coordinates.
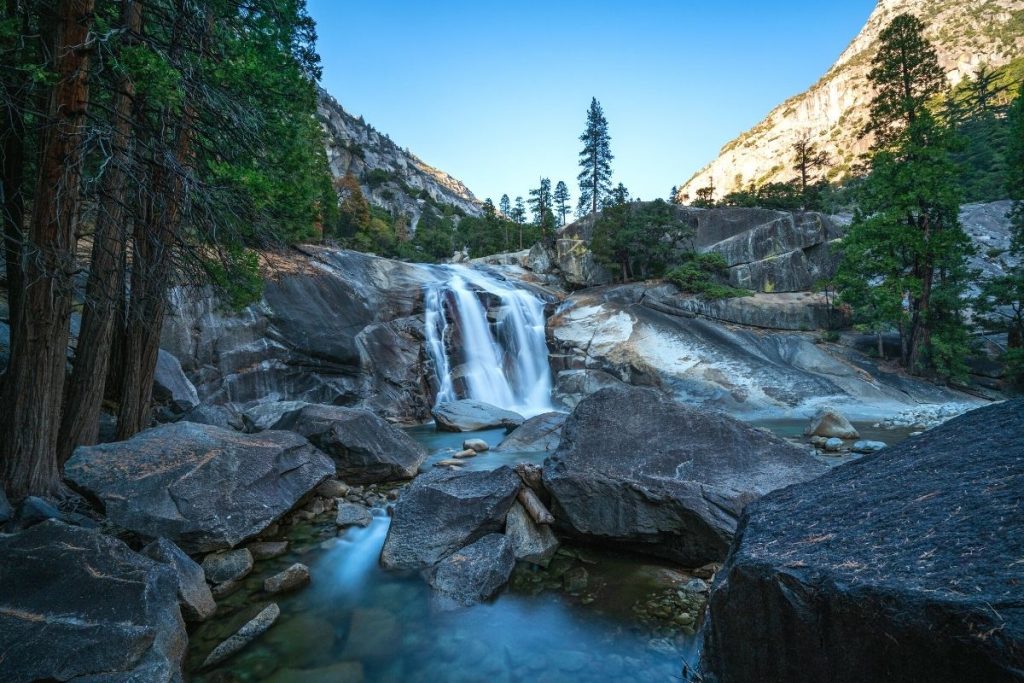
(595, 176)
(562, 200)
(904, 258)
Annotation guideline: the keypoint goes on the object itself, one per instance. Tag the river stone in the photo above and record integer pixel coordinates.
(902, 566)
(868, 446)
(639, 471)
(444, 510)
(292, 578)
(473, 416)
(833, 445)
(476, 445)
(352, 514)
(231, 565)
(267, 550)
(366, 449)
(252, 630)
(830, 423)
(194, 595)
(531, 542)
(76, 604)
(170, 385)
(203, 487)
(476, 572)
(540, 433)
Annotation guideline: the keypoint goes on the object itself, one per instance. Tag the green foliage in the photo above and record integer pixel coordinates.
(1015, 167)
(704, 275)
(236, 274)
(376, 177)
(637, 240)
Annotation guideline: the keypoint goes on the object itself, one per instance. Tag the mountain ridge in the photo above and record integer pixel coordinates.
(833, 111)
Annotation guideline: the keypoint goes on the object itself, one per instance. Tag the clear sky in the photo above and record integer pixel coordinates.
(496, 93)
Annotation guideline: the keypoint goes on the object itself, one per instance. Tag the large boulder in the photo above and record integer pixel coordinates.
(78, 605)
(203, 487)
(643, 472)
(474, 573)
(902, 566)
(829, 423)
(366, 449)
(442, 511)
(473, 416)
(540, 433)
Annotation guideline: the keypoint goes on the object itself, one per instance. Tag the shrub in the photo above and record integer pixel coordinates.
(704, 275)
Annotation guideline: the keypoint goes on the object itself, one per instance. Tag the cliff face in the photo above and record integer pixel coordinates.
(966, 33)
(391, 177)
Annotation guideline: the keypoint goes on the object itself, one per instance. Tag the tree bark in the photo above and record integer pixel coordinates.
(34, 388)
(80, 425)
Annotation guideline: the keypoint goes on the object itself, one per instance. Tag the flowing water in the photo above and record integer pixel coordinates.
(504, 363)
(356, 622)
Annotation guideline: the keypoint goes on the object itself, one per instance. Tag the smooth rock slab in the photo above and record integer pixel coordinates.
(203, 487)
(639, 471)
(902, 566)
(231, 565)
(540, 433)
(292, 578)
(194, 595)
(252, 630)
(476, 572)
(444, 510)
(366, 449)
(170, 385)
(473, 416)
(75, 603)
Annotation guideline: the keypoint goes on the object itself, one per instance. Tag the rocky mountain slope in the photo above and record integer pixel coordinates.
(833, 111)
(391, 177)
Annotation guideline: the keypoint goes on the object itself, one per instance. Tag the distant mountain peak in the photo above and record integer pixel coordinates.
(832, 113)
(391, 177)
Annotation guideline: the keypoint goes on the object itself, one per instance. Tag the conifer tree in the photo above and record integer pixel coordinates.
(562, 200)
(519, 217)
(904, 258)
(808, 160)
(595, 176)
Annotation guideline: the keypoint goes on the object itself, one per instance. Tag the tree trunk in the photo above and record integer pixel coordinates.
(920, 336)
(34, 388)
(80, 424)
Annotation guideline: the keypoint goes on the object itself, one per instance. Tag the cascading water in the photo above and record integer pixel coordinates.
(506, 365)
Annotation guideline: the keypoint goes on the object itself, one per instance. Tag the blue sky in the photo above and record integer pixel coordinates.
(496, 93)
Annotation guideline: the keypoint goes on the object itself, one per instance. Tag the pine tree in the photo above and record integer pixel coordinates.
(519, 217)
(673, 195)
(904, 259)
(595, 160)
(808, 160)
(562, 200)
(505, 207)
(542, 205)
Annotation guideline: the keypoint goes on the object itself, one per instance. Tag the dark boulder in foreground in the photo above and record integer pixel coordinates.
(203, 487)
(540, 433)
(78, 605)
(907, 565)
(366, 449)
(473, 416)
(659, 477)
(442, 511)
(474, 573)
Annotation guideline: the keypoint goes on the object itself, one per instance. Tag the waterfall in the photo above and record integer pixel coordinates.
(504, 364)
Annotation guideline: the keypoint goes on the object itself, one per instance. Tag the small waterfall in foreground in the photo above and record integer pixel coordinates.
(504, 364)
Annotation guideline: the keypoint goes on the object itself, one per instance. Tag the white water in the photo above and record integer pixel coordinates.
(505, 364)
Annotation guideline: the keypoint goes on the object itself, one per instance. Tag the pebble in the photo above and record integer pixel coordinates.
(245, 635)
(834, 445)
(230, 565)
(468, 453)
(268, 550)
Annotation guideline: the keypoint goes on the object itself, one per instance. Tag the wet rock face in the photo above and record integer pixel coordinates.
(333, 327)
(642, 472)
(898, 567)
(366, 449)
(442, 511)
(203, 487)
(77, 604)
(476, 572)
